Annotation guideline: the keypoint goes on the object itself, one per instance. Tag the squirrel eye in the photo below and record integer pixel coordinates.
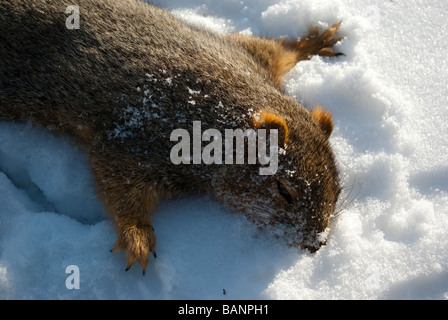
(284, 192)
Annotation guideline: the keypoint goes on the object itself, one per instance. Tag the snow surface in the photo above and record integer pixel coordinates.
(389, 100)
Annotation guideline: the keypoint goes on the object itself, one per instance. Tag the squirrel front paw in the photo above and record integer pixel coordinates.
(138, 240)
(321, 44)
(316, 43)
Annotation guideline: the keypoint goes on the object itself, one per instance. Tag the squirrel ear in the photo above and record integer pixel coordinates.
(324, 119)
(267, 120)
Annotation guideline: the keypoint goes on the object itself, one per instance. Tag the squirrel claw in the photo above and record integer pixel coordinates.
(138, 240)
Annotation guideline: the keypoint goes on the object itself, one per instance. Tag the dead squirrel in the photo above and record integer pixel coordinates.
(132, 74)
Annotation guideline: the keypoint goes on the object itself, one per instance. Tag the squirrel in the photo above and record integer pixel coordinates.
(131, 73)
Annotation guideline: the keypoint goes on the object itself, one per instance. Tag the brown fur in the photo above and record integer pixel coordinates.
(132, 74)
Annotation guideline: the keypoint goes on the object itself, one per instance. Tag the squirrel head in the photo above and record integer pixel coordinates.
(298, 201)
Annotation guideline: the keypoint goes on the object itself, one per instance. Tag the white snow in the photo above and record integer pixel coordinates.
(389, 100)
